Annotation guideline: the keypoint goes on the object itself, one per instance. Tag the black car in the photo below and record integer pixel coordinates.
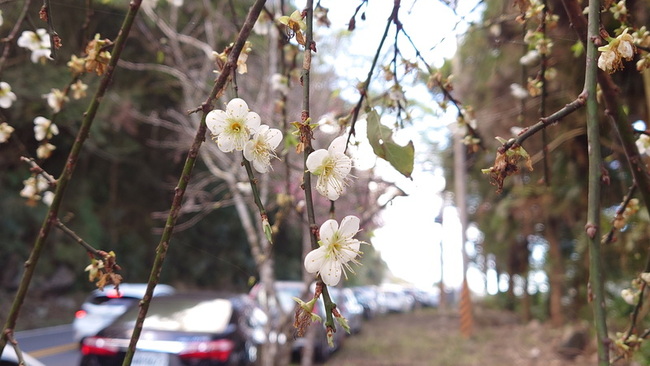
(183, 330)
(285, 304)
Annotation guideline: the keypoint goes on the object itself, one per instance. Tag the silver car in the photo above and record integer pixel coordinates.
(9, 358)
(102, 307)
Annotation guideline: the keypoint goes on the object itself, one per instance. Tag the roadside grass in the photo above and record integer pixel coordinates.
(428, 337)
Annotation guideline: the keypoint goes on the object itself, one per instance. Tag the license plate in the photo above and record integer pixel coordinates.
(143, 358)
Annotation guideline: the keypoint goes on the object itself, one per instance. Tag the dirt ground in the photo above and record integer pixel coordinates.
(431, 337)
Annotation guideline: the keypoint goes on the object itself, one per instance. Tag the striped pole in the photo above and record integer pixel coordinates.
(466, 314)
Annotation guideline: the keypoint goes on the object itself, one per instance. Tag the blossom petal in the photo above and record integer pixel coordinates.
(338, 144)
(273, 137)
(329, 188)
(349, 226)
(226, 142)
(216, 120)
(249, 150)
(253, 121)
(260, 166)
(330, 273)
(342, 164)
(349, 252)
(315, 160)
(314, 260)
(237, 108)
(328, 231)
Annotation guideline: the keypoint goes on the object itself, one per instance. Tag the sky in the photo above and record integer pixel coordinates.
(409, 239)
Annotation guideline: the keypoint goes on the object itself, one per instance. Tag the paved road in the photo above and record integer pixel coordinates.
(53, 346)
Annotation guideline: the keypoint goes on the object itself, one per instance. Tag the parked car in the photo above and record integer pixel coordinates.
(190, 329)
(101, 307)
(9, 358)
(398, 301)
(368, 299)
(351, 310)
(285, 304)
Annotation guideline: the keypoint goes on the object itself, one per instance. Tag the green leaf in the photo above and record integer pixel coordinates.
(381, 140)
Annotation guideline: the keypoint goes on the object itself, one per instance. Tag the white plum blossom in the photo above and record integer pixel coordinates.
(530, 58)
(625, 49)
(78, 89)
(337, 248)
(38, 42)
(233, 127)
(44, 151)
(645, 276)
(34, 41)
(518, 91)
(44, 128)
(619, 48)
(261, 147)
(629, 296)
(643, 144)
(56, 99)
(48, 197)
(7, 97)
(280, 83)
(33, 187)
(5, 132)
(332, 167)
(607, 60)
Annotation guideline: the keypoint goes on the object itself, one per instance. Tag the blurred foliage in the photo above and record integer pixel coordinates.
(486, 64)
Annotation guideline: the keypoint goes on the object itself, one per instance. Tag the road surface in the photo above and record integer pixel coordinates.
(53, 346)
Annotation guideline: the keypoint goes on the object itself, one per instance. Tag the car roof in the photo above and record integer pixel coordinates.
(133, 290)
(171, 312)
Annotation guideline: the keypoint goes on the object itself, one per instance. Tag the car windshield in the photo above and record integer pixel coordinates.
(286, 295)
(185, 315)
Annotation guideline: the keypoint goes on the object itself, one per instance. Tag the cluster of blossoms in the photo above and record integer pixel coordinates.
(96, 60)
(631, 208)
(44, 130)
(631, 295)
(618, 49)
(232, 130)
(35, 189)
(642, 39)
(221, 58)
(239, 129)
(38, 42)
(626, 343)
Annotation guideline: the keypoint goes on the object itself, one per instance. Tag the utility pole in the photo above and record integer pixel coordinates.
(460, 176)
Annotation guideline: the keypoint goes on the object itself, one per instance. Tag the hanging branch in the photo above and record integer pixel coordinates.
(66, 175)
(192, 154)
(543, 96)
(596, 275)
(363, 92)
(9, 40)
(55, 41)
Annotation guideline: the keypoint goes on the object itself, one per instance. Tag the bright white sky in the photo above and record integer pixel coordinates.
(409, 240)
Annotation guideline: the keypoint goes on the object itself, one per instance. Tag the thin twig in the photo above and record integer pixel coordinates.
(68, 170)
(619, 211)
(36, 169)
(9, 40)
(185, 177)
